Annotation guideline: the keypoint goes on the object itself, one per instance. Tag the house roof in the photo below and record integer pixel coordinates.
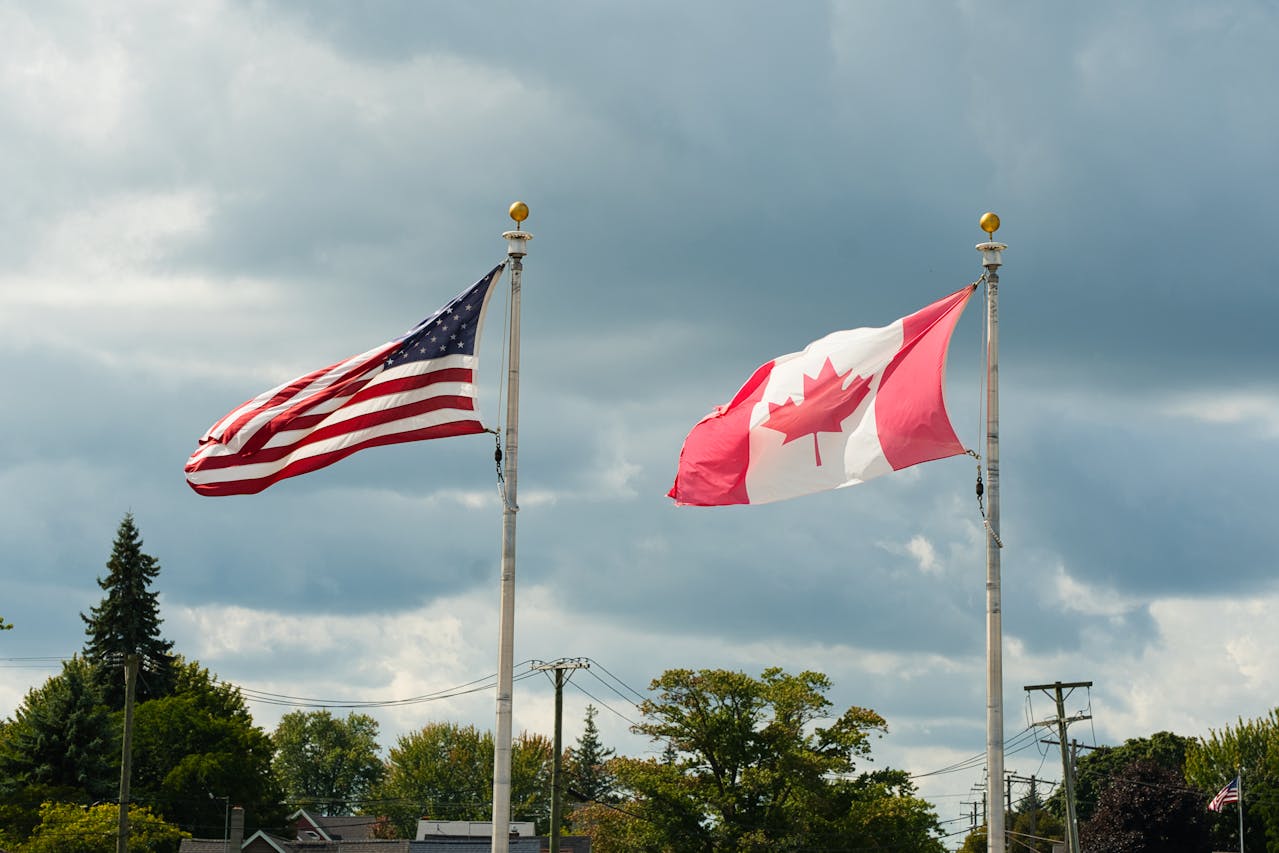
(202, 845)
(357, 828)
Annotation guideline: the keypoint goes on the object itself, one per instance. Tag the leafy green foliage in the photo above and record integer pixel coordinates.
(618, 829)
(65, 827)
(197, 745)
(445, 771)
(748, 768)
(974, 842)
(587, 772)
(128, 621)
(60, 745)
(61, 736)
(1032, 827)
(326, 764)
(1147, 808)
(1250, 746)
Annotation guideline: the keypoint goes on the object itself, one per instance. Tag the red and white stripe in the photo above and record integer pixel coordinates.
(324, 416)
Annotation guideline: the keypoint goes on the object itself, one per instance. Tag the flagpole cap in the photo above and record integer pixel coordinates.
(991, 251)
(516, 240)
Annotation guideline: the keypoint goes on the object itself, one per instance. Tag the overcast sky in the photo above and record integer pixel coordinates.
(201, 200)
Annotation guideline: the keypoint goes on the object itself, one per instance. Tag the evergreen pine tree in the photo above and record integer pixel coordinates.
(128, 621)
(588, 774)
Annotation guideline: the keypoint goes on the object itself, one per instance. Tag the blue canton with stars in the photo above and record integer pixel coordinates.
(449, 331)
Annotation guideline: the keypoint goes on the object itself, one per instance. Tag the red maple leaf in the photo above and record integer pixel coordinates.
(825, 405)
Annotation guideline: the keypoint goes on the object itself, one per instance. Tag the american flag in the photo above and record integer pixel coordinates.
(418, 386)
(1228, 794)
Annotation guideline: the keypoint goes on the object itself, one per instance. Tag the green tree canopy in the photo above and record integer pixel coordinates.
(617, 829)
(589, 778)
(326, 764)
(1250, 747)
(748, 768)
(60, 745)
(65, 827)
(198, 745)
(61, 736)
(128, 621)
(445, 771)
(1031, 826)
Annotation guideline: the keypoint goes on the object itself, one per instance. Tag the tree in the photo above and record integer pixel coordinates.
(198, 745)
(60, 745)
(65, 826)
(128, 622)
(326, 763)
(617, 829)
(1147, 808)
(974, 842)
(752, 770)
(1250, 747)
(589, 778)
(1095, 770)
(445, 771)
(1033, 827)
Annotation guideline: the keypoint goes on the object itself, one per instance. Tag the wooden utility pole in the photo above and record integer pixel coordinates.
(1060, 691)
(557, 776)
(126, 752)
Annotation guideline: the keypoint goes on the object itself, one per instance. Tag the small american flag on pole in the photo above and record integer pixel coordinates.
(1228, 794)
(416, 387)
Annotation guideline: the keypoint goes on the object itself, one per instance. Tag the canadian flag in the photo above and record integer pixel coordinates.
(851, 406)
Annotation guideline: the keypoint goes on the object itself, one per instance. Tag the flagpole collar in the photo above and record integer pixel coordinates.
(515, 241)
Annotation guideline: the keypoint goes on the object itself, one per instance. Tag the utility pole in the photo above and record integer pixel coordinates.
(557, 777)
(1034, 807)
(126, 752)
(1060, 691)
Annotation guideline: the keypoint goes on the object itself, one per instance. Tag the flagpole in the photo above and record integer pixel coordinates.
(515, 250)
(1241, 807)
(992, 260)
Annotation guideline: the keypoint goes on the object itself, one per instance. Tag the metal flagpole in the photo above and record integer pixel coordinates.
(515, 250)
(1240, 807)
(991, 259)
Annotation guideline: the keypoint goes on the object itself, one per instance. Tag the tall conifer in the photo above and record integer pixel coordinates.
(128, 621)
(589, 776)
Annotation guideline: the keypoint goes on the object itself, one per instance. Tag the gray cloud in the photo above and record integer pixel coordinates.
(201, 203)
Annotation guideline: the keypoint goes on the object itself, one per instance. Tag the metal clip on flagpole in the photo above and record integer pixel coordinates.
(991, 259)
(516, 242)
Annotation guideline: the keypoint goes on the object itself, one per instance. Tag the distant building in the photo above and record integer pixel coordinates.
(319, 834)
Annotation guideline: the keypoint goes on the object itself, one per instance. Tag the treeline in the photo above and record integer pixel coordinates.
(739, 763)
(1151, 795)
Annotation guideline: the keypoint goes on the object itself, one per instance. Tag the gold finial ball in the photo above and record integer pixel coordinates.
(519, 211)
(989, 223)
